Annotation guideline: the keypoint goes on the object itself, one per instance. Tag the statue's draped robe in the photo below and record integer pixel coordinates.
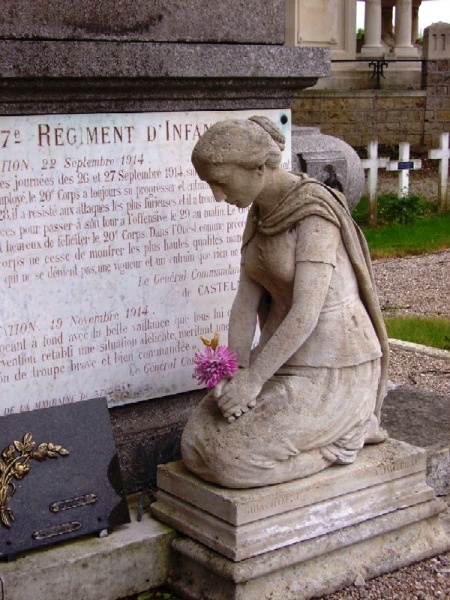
(306, 418)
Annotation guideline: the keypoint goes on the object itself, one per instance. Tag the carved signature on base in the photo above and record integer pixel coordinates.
(15, 464)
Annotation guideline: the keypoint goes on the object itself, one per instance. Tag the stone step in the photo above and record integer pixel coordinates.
(313, 568)
(375, 465)
(294, 526)
(132, 559)
(327, 536)
(240, 524)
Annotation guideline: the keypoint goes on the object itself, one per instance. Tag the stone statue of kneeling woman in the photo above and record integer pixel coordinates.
(309, 395)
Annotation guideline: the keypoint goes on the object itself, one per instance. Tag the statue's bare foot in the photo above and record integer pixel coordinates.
(375, 434)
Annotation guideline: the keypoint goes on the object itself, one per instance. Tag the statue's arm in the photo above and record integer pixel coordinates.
(243, 317)
(312, 280)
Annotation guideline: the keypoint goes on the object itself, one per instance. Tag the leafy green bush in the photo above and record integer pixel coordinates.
(395, 209)
(404, 209)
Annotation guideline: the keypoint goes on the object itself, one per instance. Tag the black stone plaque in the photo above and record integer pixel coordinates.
(59, 476)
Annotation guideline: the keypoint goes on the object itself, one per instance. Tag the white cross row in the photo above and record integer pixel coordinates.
(443, 155)
(404, 165)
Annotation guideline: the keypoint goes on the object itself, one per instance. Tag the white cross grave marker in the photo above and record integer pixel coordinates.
(403, 165)
(372, 164)
(443, 155)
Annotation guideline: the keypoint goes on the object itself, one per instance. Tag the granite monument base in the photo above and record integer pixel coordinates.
(305, 538)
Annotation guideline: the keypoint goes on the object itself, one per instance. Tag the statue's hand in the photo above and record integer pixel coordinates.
(237, 395)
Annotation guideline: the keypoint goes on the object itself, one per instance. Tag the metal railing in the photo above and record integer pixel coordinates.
(378, 64)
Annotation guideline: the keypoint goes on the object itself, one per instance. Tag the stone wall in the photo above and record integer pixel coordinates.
(391, 117)
(437, 109)
(361, 116)
(405, 109)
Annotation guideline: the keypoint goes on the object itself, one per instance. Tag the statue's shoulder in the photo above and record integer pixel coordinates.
(313, 188)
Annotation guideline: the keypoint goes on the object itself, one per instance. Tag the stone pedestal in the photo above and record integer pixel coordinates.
(304, 538)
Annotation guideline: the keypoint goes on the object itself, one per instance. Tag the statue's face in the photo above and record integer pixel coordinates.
(232, 183)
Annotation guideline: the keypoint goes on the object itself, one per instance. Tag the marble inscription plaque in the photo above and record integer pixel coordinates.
(114, 256)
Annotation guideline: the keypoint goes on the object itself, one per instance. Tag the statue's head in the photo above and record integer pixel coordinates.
(233, 156)
(247, 143)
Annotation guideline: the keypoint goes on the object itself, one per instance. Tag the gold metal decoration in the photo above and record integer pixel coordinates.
(63, 529)
(14, 464)
(73, 502)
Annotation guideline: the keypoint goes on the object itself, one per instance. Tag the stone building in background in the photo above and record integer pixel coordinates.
(388, 34)
(387, 86)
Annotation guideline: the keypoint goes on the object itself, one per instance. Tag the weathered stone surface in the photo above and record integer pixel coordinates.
(241, 524)
(157, 21)
(146, 94)
(271, 562)
(370, 549)
(422, 418)
(417, 416)
(375, 465)
(436, 40)
(265, 535)
(182, 61)
(313, 151)
(134, 558)
(148, 424)
(316, 376)
(52, 77)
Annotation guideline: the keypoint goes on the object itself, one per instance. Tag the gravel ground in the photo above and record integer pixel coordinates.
(418, 285)
(427, 580)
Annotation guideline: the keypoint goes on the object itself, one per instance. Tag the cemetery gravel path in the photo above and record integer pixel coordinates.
(416, 285)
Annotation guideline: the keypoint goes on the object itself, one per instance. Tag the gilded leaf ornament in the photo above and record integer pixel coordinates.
(15, 464)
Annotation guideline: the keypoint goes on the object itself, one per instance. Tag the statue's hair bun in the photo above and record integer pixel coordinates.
(270, 128)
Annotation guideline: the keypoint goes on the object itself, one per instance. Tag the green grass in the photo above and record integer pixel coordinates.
(429, 331)
(427, 232)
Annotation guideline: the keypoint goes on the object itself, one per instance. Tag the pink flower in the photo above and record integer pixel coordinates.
(214, 364)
